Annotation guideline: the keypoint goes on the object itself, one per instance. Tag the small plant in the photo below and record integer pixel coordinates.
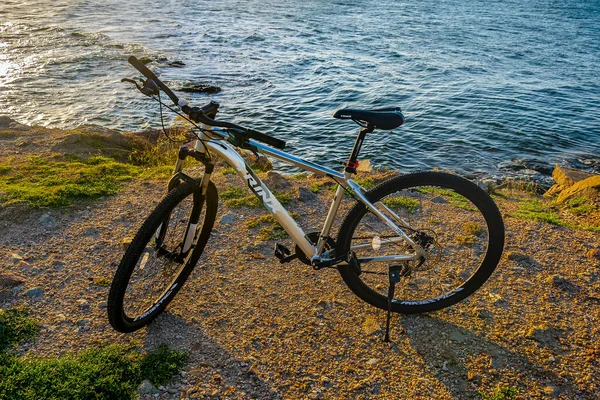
(537, 210)
(409, 204)
(472, 228)
(466, 240)
(500, 393)
(101, 281)
(315, 187)
(16, 327)
(274, 231)
(366, 182)
(228, 171)
(160, 365)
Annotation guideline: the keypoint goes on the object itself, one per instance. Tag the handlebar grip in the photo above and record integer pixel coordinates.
(270, 140)
(137, 64)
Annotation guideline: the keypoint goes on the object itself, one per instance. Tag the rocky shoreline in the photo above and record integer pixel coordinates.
(254, 329)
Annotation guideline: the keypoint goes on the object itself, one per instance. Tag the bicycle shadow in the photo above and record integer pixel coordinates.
(464, 361)
(213, 370)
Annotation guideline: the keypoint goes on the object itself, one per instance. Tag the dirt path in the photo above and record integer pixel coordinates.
(256, 329)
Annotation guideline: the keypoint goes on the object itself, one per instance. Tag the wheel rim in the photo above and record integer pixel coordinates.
(451, 228)
(158, 268)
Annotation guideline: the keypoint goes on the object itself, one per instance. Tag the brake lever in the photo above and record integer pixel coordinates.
(149, 87)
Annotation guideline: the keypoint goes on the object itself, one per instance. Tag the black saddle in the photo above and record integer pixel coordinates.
(381, 118)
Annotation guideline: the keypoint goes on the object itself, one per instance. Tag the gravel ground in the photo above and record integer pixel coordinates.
(257, 329)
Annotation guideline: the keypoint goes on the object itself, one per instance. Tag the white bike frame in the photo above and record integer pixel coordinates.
(314, 252)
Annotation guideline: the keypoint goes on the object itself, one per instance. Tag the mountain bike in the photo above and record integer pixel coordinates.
(414, 243)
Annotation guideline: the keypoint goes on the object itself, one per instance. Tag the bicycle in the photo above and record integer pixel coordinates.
(435, 235)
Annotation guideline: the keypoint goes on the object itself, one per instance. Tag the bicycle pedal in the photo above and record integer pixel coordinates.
(281, 251)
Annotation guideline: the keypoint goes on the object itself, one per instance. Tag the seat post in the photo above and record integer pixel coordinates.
(352, 163)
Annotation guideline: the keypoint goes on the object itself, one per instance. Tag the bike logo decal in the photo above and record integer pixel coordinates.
(259, 191)
(157, 304)
(423, 302)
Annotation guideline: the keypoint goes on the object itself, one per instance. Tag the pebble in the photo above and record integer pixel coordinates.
(594, 253)
(48, 222)
(305, 195)
(457, 336)
(16, 258)
(147, 388)
(372, 362)
(227, 219)
(35, 292)
(10, 281)
(83, 304)
(102, 305)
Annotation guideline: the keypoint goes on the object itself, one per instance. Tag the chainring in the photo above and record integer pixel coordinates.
(313, 238)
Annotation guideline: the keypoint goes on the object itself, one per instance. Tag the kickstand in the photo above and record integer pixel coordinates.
(394, 278)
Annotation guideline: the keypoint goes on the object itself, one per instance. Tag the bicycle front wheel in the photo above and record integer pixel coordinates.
(158, 262)
(455, 221)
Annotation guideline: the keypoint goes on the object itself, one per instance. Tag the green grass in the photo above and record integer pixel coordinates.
(228, 171)
(580, 206)
(537, 210)
(237, 197)
(272, 230)
(472, 228)
(315, 187)
(395, 202)
(367, 182)
(101, 281)
(16, 327)
(451, 196)
(500, 393)
(108, 372)
(56, 181)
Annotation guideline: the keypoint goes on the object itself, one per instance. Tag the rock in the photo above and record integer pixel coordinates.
(543, 334)
(227, 219)
(364, 166)
(91, 232)
(568, 176)
(372, 362)
(9, 123)
(35, 292)
(125, 242)
(589, 187)
(82, 322)
(439, 200)
(565, 285)
(48, 222)
(457, 336)
(519, 258)
(16, 258)
(147, 388)
(178, 64)
(83, 304)
(305, 195)
(594, 253)
(102, 305)
(276, 181)
(260, 163)
(10, 281)
(200, 88)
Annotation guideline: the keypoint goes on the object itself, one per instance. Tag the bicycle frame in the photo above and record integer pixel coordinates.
(314, 252)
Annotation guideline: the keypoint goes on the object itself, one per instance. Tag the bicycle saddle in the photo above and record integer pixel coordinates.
(381, 118)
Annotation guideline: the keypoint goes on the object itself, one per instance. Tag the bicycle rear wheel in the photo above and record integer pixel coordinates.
(155, 267)
(454, 220)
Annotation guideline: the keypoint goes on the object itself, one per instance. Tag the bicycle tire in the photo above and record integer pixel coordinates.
(457, 198)
(140, 250)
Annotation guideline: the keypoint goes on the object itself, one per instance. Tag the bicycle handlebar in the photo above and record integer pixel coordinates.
(199, 114)
(137, 64)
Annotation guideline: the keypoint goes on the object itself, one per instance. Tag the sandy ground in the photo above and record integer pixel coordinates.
(257, 329)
